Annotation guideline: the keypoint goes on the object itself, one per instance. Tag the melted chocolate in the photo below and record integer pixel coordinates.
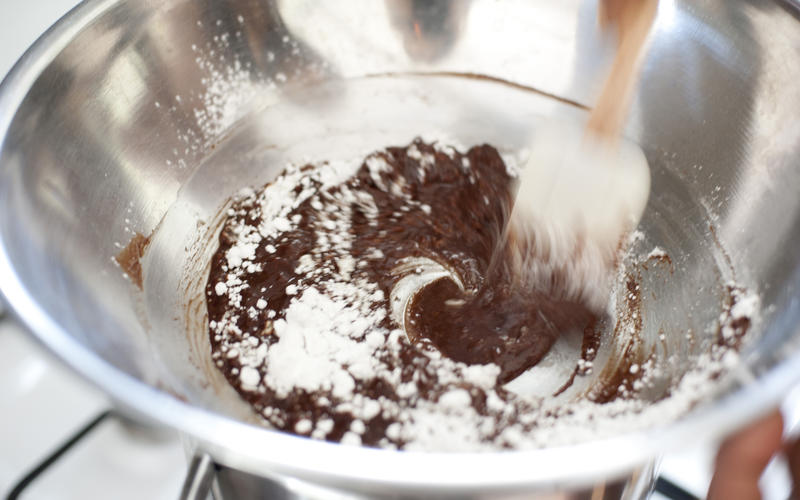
(431, 203)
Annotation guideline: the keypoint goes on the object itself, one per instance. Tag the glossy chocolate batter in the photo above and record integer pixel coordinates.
(428, 201)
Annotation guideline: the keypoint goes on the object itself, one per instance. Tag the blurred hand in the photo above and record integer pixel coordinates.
(743, 457)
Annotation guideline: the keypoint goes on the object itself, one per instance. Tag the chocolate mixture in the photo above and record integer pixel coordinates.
(422, 203)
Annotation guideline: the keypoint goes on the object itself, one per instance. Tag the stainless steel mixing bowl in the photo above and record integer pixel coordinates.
(144, 116)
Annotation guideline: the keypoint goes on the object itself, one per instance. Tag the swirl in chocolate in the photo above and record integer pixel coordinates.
(364, 305)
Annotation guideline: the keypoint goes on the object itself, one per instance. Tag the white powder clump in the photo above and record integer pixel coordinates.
(249, 377)
(455, 399)
(303, 426)
(657, 253)
(747, 305)
(316, 345)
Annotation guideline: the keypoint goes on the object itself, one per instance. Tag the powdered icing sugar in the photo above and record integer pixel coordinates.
(320, 346)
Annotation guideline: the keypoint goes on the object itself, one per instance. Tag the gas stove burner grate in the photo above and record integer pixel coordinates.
(199, 480)
(49, 460)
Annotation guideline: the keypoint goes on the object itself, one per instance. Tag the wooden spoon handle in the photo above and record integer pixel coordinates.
(633, 19)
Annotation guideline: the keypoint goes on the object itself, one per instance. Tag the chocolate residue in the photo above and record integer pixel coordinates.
(661, 258)
(592, 335)
(129, 259)
(620, 381)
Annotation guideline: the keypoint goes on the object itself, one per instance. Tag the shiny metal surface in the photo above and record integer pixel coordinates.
(105, 132)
